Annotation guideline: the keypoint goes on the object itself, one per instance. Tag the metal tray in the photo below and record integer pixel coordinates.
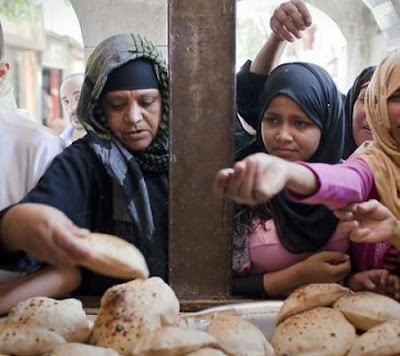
(261, 314)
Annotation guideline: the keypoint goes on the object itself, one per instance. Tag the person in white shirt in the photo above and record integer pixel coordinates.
(70, 90)
(26, 148)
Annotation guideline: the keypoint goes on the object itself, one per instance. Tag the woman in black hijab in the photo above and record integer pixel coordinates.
(302, 120)
(356, 126)
(113, 181)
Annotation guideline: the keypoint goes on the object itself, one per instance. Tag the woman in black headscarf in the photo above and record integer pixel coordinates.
(279, 244)
(114, 180)
(356, 127)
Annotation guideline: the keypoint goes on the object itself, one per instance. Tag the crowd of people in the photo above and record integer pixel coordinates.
(314, 184)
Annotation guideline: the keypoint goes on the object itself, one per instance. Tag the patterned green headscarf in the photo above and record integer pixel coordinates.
(125, 166)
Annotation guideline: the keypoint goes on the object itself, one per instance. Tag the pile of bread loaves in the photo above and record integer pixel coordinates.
(328, 319)
(140, 317)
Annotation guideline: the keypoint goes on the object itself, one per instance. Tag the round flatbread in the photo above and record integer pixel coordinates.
(310, 296)
(23, 339)
(172, 340)
(80, 349)
(65, 317)
(382, 340)
(131, 310)
(238, 337)
(320, 331)
(366, 310)
(207, 352)
(114, 257)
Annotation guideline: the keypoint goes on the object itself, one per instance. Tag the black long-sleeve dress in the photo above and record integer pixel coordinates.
(77, 184)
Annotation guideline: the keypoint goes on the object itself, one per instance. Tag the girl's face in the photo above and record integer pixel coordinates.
(288, 132)
(361, 130)
(394, 115)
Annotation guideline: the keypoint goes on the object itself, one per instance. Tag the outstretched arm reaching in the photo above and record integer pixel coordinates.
(261, 176)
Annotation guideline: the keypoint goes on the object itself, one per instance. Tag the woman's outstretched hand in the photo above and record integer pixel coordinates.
(45, 233)
(259, 177)
(254, 180)
(377, 281)
(369, 221)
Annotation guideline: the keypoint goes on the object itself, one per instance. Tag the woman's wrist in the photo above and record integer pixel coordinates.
(301, 180)
(276, 39)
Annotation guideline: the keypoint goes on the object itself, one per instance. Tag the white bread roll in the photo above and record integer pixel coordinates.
(310, 296)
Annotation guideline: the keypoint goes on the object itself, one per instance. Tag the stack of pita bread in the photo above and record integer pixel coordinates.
(139, 317)
(323, 319)
(39, 324)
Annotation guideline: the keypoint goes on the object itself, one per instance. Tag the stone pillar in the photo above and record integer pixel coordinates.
(202, 63)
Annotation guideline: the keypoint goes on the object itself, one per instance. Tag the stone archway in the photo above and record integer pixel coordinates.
(99, 20)
(369, 39)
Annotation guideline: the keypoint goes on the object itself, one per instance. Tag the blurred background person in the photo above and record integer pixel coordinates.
(26, 148)
(70, 91)
(33, 145)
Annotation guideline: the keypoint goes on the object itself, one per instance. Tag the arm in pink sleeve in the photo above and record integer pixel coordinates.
(339, 184)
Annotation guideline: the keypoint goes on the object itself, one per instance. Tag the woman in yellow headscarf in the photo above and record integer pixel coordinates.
(372, 173)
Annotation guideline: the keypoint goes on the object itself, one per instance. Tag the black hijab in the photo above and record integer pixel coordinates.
(302, 227)
(349, 144)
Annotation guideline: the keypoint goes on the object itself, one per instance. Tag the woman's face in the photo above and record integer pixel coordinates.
(361, 130)
(288, 132)
(394, 115)
(133, 116)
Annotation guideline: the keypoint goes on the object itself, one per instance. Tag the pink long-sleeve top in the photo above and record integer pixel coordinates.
(339, 185)
(269, 255)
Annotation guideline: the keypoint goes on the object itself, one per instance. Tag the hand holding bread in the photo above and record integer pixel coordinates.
(50, 236)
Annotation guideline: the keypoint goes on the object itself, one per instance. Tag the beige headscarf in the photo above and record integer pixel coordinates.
(383, 155)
